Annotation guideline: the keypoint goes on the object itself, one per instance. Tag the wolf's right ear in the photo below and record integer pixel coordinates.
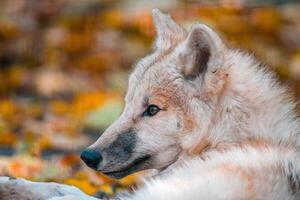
(168, 32)
(201, 52)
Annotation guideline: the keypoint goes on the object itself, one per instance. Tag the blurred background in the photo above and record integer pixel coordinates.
(64, 67)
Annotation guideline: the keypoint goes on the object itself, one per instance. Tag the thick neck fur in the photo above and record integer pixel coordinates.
(252, 106)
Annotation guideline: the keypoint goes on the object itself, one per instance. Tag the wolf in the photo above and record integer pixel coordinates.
(212, 121)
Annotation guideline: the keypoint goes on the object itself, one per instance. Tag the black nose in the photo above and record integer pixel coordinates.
(91, 158)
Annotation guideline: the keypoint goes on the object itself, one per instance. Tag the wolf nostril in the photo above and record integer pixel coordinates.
(91, 158)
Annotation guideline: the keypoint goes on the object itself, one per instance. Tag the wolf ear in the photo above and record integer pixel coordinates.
(201, 52)
(168, 32)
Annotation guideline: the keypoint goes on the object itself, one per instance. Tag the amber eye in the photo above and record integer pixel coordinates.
(151, 111)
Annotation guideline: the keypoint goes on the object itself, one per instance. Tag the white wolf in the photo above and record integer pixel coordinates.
(211, 120)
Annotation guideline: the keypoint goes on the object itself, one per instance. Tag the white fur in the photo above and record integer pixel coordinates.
(205, 179)
(17, 188)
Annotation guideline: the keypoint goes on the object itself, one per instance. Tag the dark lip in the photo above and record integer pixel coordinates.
(136, 165)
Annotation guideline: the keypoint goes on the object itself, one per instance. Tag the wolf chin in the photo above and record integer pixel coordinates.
(211, 120)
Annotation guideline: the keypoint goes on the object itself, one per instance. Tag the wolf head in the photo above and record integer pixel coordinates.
(170, 97)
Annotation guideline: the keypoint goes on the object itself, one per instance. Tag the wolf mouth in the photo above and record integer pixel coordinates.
(138, 164)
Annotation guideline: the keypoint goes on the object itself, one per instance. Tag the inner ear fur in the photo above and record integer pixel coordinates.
(201, 52)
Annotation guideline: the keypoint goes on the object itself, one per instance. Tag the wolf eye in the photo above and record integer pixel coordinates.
(151, 111)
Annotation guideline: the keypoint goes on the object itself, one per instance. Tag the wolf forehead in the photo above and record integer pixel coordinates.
(159, 79)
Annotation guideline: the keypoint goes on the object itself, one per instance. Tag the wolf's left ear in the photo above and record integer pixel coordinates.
(168, 33)
(201, 52)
